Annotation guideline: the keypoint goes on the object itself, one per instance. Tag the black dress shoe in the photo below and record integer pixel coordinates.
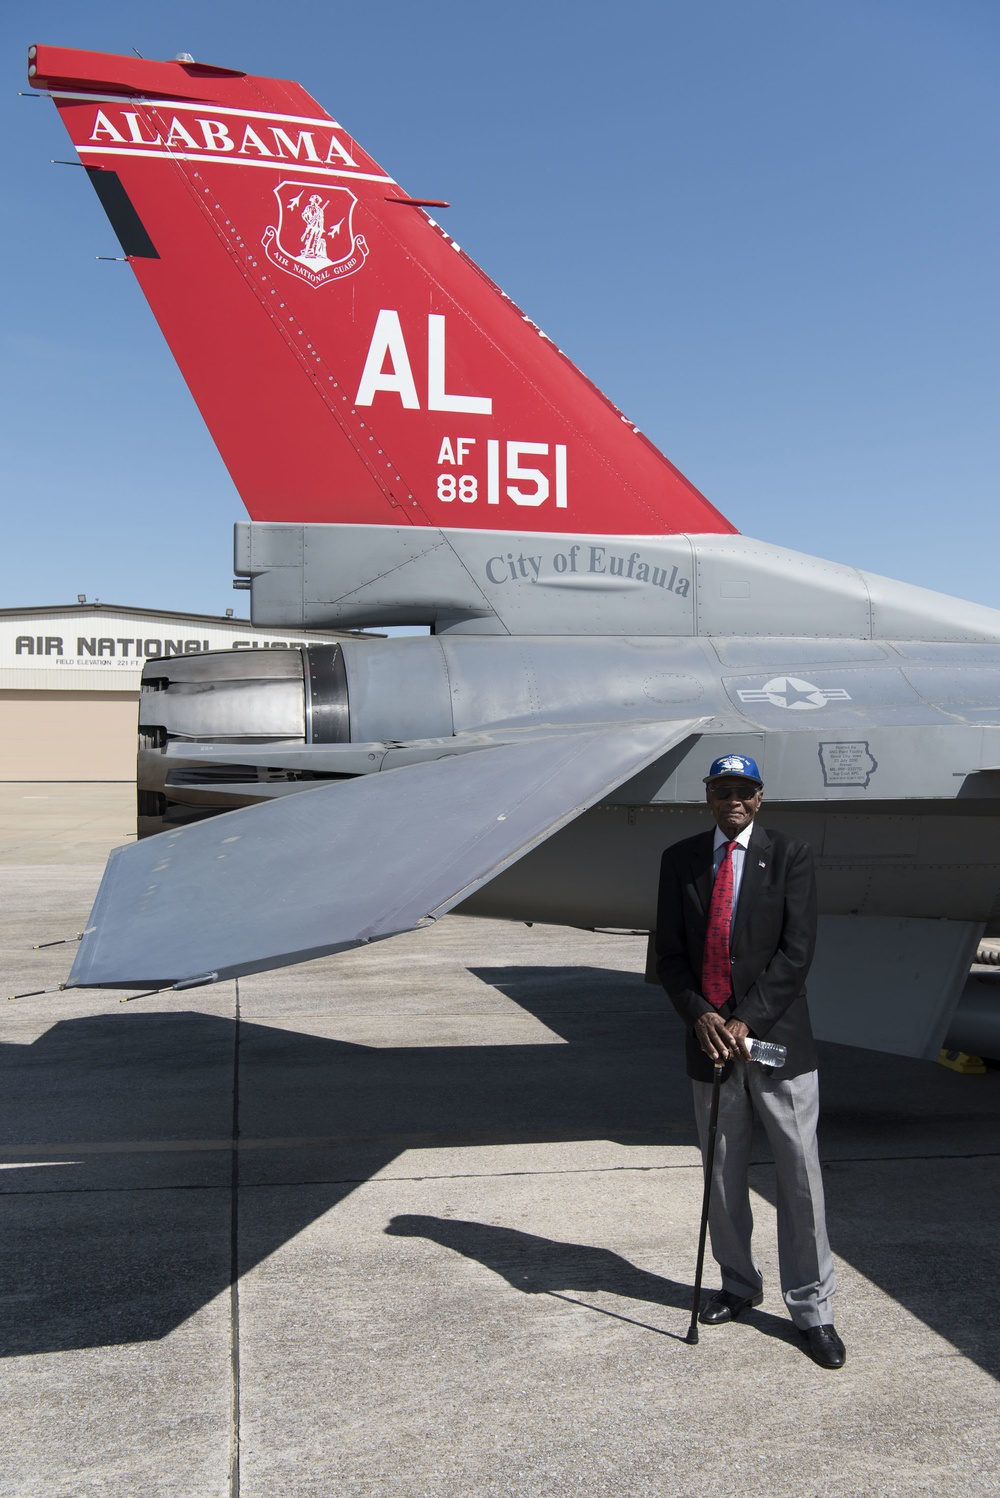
(726, 1307)
(825, 1347)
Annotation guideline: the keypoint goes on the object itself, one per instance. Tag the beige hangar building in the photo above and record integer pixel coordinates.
(69, 681)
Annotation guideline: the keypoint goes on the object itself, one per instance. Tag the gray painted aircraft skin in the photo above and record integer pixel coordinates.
(883, 754)
(531, 758)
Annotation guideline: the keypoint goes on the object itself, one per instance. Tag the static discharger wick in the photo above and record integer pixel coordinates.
(148, 994)
(419, 202)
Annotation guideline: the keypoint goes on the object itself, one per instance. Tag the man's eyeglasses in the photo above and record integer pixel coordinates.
(727, 791)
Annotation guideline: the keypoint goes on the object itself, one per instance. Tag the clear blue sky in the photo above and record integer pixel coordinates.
(766, 228)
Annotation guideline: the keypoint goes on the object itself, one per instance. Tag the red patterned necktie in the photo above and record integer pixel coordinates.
(716, 972)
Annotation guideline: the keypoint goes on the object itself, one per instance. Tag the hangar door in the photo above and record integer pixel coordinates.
(68, 735)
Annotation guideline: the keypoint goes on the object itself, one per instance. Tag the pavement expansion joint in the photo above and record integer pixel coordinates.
(369, 1181)
(234, 1262)
(402, 1142)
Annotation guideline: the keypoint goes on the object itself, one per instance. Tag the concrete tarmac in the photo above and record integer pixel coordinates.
(421, 1220)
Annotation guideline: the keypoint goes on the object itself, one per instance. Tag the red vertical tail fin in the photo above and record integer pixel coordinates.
(351, 362)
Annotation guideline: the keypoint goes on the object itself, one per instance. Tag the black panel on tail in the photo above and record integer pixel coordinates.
(117, 204)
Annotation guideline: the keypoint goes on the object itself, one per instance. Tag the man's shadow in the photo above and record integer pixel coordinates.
(550, 1266)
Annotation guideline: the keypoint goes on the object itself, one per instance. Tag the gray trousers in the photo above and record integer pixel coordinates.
(788, 1109)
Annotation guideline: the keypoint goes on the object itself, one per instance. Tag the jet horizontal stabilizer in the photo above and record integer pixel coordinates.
(364, 758)
(223, 776)
(348, 863)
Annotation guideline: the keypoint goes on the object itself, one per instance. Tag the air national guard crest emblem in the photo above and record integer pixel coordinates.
(314, 237)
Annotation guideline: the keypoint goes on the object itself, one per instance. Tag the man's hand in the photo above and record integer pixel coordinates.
(739, 1032)
(721, 1040)
(714, 1037)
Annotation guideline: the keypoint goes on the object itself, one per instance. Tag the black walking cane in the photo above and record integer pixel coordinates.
(713, 1127)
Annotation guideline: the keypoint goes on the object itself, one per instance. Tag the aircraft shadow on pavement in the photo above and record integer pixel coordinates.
(115, 1243)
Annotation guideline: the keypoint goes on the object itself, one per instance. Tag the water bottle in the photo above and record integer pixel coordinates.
(766, 1052)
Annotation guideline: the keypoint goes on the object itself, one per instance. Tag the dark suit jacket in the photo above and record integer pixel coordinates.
(772, 943)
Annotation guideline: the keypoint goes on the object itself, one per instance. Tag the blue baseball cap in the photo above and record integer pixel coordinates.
(734, 764)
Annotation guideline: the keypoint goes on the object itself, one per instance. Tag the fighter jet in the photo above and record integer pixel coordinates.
(412, 449)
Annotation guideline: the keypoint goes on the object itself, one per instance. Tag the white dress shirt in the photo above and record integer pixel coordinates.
(738, 857)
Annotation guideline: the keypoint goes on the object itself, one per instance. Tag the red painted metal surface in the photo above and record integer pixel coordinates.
(352, 363)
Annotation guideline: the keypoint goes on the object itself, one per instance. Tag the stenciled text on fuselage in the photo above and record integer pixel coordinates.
(585, 560)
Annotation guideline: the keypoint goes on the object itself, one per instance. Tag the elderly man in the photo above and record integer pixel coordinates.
(735, 932)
